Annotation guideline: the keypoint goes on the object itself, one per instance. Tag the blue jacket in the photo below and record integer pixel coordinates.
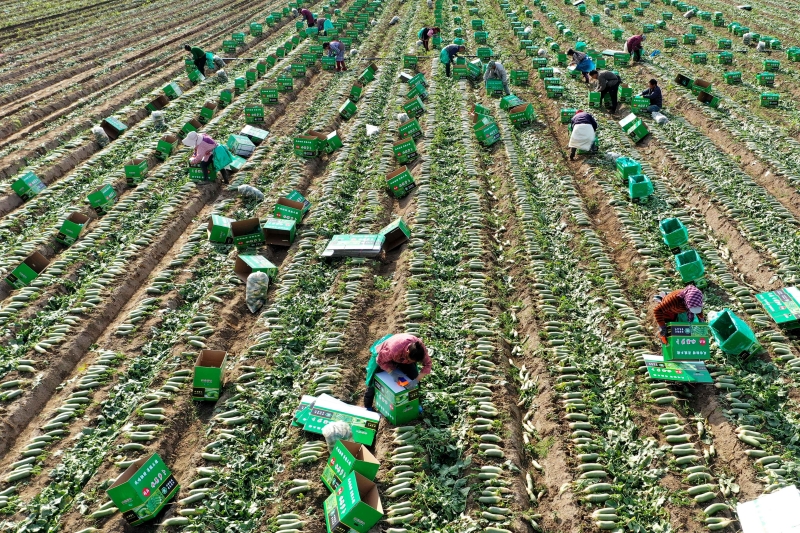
(584, 118)
(452, 50)
(654, 96)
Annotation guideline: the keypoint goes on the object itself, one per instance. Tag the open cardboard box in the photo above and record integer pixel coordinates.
(219, 229)
(71, 228)
(247, 264)
(113, 127)
(158, 103)
(143, 489)
(247, 233)
(395, 234)
(348, 457)
(28, 270)
(355, 505)
(209, 375)
(279, 231)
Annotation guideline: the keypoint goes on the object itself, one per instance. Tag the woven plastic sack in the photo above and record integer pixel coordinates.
(249, 191)
(219, 63)
(659, 118)
(256, 291)
(336, 431)
(222, 76)
(158, 120)
(100, 136)
(402, 118)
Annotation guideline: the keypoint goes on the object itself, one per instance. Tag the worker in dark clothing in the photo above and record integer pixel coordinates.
(448, 54)
(425, 35)
(496, 71)
(323, 25)
(653, 93)
(583, 135)
(688, 300)
(608, 84)
(634, 46)
(199, 57)
(309, 16)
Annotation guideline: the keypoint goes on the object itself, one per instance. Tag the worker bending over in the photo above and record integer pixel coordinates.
(198, 56)
(583, 63)
(634, 46)
(398, 355)
(309, 16)
(496, 71)
(653, 93)
(323, 25)
(583, 136)
(448, 54)
(608, 84)
(688, 300)
(336, 48)
(207, 150)
(425, 35)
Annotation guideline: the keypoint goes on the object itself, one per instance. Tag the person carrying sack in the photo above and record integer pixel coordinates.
(398, 355)
(583, 136)
(207, 150)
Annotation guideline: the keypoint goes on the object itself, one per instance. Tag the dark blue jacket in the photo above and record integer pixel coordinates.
(654, 96)
(584, 118)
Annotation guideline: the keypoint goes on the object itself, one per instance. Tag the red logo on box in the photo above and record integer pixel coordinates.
(146, 491)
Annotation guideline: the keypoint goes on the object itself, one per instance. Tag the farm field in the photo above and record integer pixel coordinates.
(530, 276)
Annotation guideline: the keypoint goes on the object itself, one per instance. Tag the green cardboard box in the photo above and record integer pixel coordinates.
(328, 63)
(347, 457)
(143, 489)
(284, 83)
(251, 75)
(209, 375)
(347, 109)
(333, 142)
(417, 90)
(369, 73)
(354, 245)
(398, 404)
(247, 233)
(400, 182)
(783, 306)
(28, 186)
(28, 270)
(237, 163)
(353, 506)
(522, 115)
(262, 66)
(684, 371)
(269, 96)
(219, 229)
(172, 90)
(395, 234)
(192, 125)
(256, 29)
(567, 113)
(241, 145)
(247, 264)
(136, 170)
(195, 76)
(494, 88)
(279, 231)
(254, 114)
(410, 129)
(113, 127)
(256, 135)
(293, 206)
(313, 416)
(102, 199)
(507, 102)
(158, 103)
(196, 173)
(298, 70)
(307, 145)
(207, 112)
(414, 107)
(355, 91)
(71, 228)
(405, 150)
(229, 46)
(166, 145)
(417, 79)
(687, 341)
(409, 61)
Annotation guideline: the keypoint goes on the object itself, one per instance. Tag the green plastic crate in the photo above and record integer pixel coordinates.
(689, 265)
(674, 233)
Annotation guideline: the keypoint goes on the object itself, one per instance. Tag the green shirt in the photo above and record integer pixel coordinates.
(198, 54)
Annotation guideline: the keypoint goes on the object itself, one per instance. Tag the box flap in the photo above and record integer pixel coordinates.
(245, 227)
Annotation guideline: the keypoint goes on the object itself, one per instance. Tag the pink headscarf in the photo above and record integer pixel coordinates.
(693, 298)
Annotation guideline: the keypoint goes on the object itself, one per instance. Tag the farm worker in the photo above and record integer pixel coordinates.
(425, 35)
(688, 300)
(583, 63)
(199, 57)
(309, 16)
(206, 150)
(634, 46)
(496, 71)
(653, 93)
(449, 53)
(398, 355)
(323, 25)
(583, 134)
(336, 48)
(608, 84)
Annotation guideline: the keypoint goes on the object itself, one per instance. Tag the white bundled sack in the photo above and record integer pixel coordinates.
(372, 130)
(158, 120)
(249, 191)
(659, 118)
(761, 46)
(336, 431)
(542, 52)
(402, 118)
(394, 20)
(612, 156)
(689, 14)
(582, 137)
(218, 62)
(222, 76)
(256, 291)
(100, 136)
(353, 52)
